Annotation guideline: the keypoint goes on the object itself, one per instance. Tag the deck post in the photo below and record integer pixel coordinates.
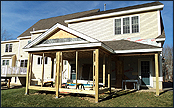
(52, 67)
(9, 80)
(61, 69)
(96, 75)
(57, 73)
(30, 75)
(76, 67)
(93, 69)
(109, 73)
(104, 69)
(42, 69)
(157, 74)
(27, 77)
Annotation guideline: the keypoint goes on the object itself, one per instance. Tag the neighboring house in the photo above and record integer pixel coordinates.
(115, 45)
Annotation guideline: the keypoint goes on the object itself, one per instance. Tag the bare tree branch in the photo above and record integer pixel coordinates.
(5, 35)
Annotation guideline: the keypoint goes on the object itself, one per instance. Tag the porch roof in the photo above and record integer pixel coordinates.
(7, 56)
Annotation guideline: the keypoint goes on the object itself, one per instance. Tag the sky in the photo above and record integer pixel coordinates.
(18, 16)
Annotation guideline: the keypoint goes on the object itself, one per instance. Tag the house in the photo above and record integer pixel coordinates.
(111, 48)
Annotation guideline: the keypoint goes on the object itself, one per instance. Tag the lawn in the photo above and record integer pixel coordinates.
(16, 98)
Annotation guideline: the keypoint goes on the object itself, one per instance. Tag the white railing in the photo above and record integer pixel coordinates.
(7, 70)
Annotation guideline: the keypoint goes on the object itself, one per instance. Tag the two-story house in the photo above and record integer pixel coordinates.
(111, 48)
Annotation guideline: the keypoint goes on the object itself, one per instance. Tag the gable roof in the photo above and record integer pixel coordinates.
(59, 26)
(49, 22)
(138, 8)
(127, 45)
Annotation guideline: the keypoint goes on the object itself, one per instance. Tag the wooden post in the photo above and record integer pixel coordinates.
(9, 80)
(96, 74)
(61, 69)
(27, 77)
(93, 69)
(104, 69)
(109, 73)
(30, 75)
(76, 67)
(57, 73)
(52, 67)
(42, 69)
(157, 75)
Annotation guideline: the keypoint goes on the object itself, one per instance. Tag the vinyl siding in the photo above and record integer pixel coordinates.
(14, 48)
(103, 29)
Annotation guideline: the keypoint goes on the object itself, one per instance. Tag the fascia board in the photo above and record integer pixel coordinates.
(116, 13)
(9, 41)
(42, 36)
(59, 47)
(24, 37)
(160, 39)
(137, 50)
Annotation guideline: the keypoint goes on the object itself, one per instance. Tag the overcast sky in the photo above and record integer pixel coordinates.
(18, 16)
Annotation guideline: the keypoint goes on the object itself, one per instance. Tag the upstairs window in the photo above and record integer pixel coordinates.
(23, 63)
(8, 48)
(125, 25)
(5, 62)
(39, 60)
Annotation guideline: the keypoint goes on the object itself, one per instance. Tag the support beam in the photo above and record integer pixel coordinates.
(157, 74)
(93, 69)
(30, 75)
(27, 77)
(61, 69)
(52, 67)
(42, 69)
(96, 75)
(109, 73)
(57, 73)
(104, 69)
(76, 67)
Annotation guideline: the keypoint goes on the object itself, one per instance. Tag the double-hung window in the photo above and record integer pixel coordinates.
(125, 25)
(39, 60)
(5, 62)
(23, 63)
(8, 48)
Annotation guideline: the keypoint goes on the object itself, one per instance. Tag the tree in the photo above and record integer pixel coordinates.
(168, 63)
(5, 35)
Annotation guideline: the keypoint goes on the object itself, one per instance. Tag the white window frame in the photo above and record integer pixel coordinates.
(41, 60)
(24, 62)
(130, 24)
(9, 48)
(6, 62)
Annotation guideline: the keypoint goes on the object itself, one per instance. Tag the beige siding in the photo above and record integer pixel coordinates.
(103, 29)
(23, 54)
(14, 48)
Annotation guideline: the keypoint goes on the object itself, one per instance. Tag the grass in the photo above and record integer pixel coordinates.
(16, 98)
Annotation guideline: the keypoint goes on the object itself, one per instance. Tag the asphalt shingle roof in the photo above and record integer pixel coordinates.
(127, 45)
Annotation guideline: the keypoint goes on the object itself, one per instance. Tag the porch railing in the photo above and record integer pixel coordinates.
(7, 70)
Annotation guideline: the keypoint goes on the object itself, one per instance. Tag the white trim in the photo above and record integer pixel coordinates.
(9, 41)
(160, 39)
(116, 13)
(52, 29)
(64, 47)
(138, 50)
(38, 31)
(151, 71)
(63, 43)
(24, 37)
(159, 23)
(107, 48)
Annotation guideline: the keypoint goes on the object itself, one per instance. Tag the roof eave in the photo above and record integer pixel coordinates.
(159, 7)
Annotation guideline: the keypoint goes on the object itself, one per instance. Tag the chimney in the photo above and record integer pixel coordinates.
(104, 7)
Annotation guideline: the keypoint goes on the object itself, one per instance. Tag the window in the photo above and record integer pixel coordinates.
(39, 60)
(23, 63)
(8, 48)
(127, 25)
(5, 62)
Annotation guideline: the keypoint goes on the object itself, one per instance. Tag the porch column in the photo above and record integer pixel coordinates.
(30, 76)
(109, 73)
(96, 74)
(52, 67)
(157, 74)
(27, 76)
(61, 69)
(104, 69)
(76, 67)
(57, 73)
(42, 69)
(93, 69)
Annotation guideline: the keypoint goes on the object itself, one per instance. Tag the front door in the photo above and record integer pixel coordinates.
(145, 72)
